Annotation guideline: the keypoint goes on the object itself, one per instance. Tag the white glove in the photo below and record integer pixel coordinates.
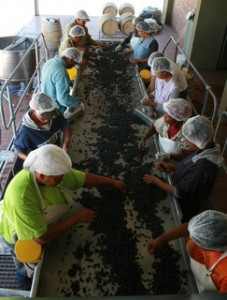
(82, 105)
(162, 156)
(118, 48)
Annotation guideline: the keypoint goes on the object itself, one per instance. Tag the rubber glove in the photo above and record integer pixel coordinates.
(162, 156)
(118, 48)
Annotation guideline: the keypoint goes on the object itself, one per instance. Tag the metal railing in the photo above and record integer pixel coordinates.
(224, 148)
(8, 109)
(208, 89)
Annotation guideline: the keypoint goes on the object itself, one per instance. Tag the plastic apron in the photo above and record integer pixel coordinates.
(54, 212)
(202, 275)
(169, 146)
(134, 40)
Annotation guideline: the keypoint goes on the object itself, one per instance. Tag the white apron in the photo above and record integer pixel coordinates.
(169, 146)
(54, 212)
(202, 275)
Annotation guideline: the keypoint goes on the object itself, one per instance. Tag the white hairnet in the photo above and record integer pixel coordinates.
(77, 31)
(73, 53)
(143, 26)
(42, 103)
(208, 230)
(81, 14)
(136, 20)
(179, 109)
(198, 130)
(161, 64)
(49, 160)
(154, 55)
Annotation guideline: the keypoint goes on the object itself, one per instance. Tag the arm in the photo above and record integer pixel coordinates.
(62, 91)
(151, 87)
(66, 139)
(151, 179)
(22, 155)
(54, 230)
(151, 131)
(93, 180)
(156, 244)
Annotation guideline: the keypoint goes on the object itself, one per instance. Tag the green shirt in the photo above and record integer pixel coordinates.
(22, 211)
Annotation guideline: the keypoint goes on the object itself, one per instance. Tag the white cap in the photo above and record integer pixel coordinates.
(73, 53)
(77, 31)
(161, 64)
(49, 160)
(179, 109)
(81, 14)
(208, 230)
(198, 130)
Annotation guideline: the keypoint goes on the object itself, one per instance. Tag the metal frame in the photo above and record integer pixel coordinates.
(208, 89)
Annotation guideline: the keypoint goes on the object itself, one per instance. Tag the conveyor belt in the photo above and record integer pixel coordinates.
(108, 257)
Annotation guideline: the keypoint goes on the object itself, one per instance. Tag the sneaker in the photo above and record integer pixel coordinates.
(72, 113)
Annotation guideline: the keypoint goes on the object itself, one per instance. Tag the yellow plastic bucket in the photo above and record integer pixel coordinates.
(145, 75)
(28, 251)
(72, 73)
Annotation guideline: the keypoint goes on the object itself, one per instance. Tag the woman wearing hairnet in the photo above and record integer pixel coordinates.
(207, 248)
(193, 177)
(167, 85)
(132, 36)
(37, 198)
(177, 111)
(41, 125)
(144, 47)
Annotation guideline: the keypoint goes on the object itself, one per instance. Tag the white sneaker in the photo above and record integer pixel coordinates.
(74, 112)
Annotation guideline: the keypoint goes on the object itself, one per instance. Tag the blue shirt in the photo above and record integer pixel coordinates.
(56, 83)
(29, 138)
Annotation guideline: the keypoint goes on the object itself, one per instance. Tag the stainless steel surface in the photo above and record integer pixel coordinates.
(75, 264)
(11, 52)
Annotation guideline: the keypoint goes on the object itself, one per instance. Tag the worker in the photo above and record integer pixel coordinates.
(207, 249)
(178, 75)
(81, 17)
(166, 85)
(169, 129)
(36, 199)
(133, 36)
(76, 33)
(144, 47)
(42, 124)
(55, 81)
(193, 177)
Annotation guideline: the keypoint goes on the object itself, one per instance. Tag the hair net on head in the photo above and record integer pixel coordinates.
(77, 31)
(49, 160)
(42, 103)
(143, 26)
(198, 130)
(208, 230)
(179, 109)
(73, 53)
(81, 14)
(161, 64)
(136, 20)
(153, 56)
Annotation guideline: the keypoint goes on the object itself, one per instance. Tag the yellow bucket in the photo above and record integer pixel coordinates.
(28, 251)
(72, 73)
(145, 75)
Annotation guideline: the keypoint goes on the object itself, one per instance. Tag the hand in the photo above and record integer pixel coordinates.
(118, 48)
(148, 102)
(154, 246)
(65, 146)
(85, 216)
(141, 145)
(126, 53)
(165, 167)
(133, 61)
(120, 185)
(162, 156)
(150, 179)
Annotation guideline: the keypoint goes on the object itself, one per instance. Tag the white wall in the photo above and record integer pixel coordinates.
(93, 7)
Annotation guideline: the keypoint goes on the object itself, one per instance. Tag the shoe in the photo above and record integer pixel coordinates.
(72, 113)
